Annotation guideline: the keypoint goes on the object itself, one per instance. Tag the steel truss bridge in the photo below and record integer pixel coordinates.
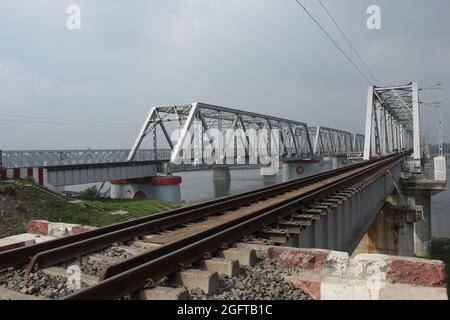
(297, 140)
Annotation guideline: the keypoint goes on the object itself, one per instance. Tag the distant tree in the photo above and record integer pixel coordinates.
(434, 149)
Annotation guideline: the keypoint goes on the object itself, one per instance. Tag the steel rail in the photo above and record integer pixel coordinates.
(23, 255)
(133, 279)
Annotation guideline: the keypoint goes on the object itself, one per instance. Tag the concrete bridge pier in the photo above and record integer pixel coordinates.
(339, 162)
(166, 188)
(298, 169)
(422, 189)
(221, 182)
(392, 232)
(422, 228)
(403, 226)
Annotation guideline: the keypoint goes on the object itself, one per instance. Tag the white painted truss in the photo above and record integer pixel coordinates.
(213, 121)
(393, 121)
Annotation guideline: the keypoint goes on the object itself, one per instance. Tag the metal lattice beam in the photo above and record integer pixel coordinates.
(295, 142)
(331, 142)
(393, 121)
(36, 158)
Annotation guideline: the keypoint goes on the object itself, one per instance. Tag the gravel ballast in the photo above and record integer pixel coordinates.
(264, 281)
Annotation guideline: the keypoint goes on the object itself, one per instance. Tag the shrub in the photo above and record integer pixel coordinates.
(89, 193)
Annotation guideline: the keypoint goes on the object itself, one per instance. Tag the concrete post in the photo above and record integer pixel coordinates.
(340, 162)
(222, 182)
(440, 168)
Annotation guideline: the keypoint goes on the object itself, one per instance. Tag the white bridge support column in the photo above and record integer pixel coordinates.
(343, 228)
(440, 168)
(298, 169)
(166, 188)
(417, 156)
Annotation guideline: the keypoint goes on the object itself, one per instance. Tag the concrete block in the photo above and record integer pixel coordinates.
(309, 282)
(15, 242)
(245, 256)
(309, 259)
(37, 227)
(221, 266)
(164, 293)
(416, 271)
(333, 288)
(58, 230)
(330, 275)
(208, 281)
(55, 229)
(401, 291)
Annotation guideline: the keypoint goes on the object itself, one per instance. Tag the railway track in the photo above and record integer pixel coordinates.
(154, 247)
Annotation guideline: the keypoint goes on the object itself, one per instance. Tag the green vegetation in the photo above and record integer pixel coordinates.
(54, 209)
(89, 193)
(441, 251)
(139, 208)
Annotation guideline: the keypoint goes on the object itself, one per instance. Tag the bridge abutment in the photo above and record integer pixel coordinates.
(403, 226)
(422, 190)
(392, 232)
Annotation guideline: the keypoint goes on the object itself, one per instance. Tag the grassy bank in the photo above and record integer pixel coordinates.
(138, 208)
(441, 251)
(18, 205)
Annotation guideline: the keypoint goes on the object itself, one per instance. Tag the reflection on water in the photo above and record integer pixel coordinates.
(199, 186)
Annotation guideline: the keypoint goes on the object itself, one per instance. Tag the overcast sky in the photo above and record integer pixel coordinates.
(265, 56)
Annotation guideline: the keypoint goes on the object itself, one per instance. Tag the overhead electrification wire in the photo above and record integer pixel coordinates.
(64, 123)
(56, 121)
(335, 43)
(348, 40)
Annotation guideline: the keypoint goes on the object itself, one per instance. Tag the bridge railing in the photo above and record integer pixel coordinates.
(36, 158)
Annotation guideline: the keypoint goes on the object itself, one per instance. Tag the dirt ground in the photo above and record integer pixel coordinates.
(15, 211)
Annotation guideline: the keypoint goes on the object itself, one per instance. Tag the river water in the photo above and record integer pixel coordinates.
(440, 207)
